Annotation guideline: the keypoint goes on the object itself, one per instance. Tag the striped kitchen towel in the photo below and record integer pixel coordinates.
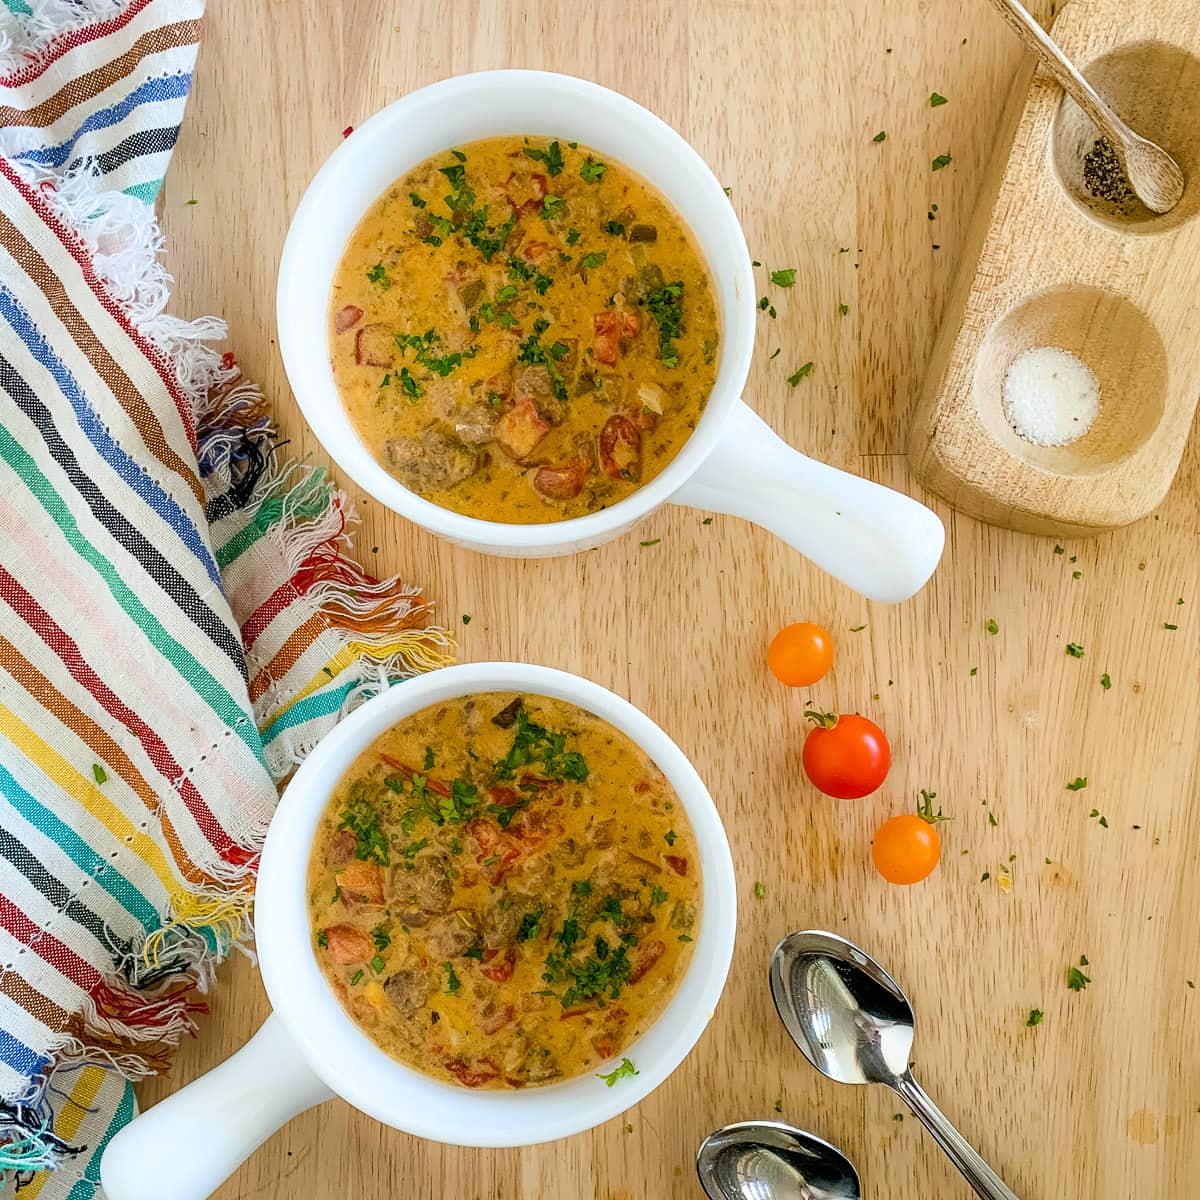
(179, 619)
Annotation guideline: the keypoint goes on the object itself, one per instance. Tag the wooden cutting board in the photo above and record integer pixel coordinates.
(1100, 1101)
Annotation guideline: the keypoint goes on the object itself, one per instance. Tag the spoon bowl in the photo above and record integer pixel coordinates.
(768, 1160)
(854, 1024)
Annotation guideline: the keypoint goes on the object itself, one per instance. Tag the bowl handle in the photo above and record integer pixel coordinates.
(876, 541)
(187, 1145)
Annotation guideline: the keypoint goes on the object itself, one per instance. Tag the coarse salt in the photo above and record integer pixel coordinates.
(1050, 396)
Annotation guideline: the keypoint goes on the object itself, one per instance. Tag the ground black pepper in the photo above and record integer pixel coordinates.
(1105, 178)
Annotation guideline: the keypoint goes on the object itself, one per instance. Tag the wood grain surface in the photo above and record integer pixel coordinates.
(1102, 1100)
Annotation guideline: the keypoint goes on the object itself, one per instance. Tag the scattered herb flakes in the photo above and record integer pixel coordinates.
(775, 354)
(760, 890)
(650, 542)
(377, 964)
(378, 275)
(936, 100)
(670, 837)
(99, 774)
(192, 201)
(453, 983)
(985, 877)
(356, 978)
(974, 671)
(707, 521)
(1076, 574)
(728, 192)
(779, 1105)
(1060, 549)
(858, 628)
(591, 171)
(1191, 983)
(466, 618)
(1074, 650)
(1035, 1017)
(1076, 979)
(897, 1116)
(991, 626)
(843, 309)
(1106, 681)
(785, 278)
(992, 819)
(1180, 600)
(1168, 625)
(802, 373)
(881, 136)
(1077, 784)
(623, 1069)
(942, 160)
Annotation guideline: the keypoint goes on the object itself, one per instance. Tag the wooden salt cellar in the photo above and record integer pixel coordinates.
(1048, 264)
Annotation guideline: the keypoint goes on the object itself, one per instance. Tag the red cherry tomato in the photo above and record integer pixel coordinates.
(800, 654)
(907, 848)
(846, 756)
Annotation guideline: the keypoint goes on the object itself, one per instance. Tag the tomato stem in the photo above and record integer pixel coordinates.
(925, 809)
(825, 720)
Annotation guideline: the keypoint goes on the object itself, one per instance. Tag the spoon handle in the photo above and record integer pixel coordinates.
(975, 1171)
(1063, 69)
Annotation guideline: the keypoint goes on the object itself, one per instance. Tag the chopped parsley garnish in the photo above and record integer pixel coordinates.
(650, 542)
(573, 235)
(551, 157)
(535, 744)
(658, 896)
(530, 925)
(424, 345)
(760, 890)
(802, 373)
(670, 837)
(356, 978)
(417, 202)
(936, 100)
(1074, 649)
(410, 385)
(430, 762)
(380, 936)
(992, 819)
(453, 983)
(362, 820)
(378, 275)
(843, 309)
(1106, 681)
(784, 278)
(1035, 1017)
(991, 626)
(615, 228)
(377, 964)
(1077, 784)
(551, 206)
(99, 774)
(596, 259)
(623, 1069)
(581, 887)
(1096, 813)
(591, 171)
(1167, 625)
(415, 848)
(666, 307)
(942, 160)
(323, 940)
(1076, 979)
(880, 136)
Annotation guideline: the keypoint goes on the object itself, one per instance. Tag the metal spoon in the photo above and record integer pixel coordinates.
(855, 1025)
(767, 1160)
(1153, 174)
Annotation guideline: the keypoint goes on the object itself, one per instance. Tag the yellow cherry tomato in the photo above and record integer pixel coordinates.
(800, 654)
(907, 848)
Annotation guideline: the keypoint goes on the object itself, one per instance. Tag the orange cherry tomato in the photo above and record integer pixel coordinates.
(800, 654)
(907, 848)
(846, 756)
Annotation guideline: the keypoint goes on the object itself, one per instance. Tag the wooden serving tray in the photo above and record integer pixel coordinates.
(1048, 265)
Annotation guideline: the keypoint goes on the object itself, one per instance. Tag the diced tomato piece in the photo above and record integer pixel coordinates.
(505, 797)
(563, 482)
(498, 1020)
(347, 317)
(347, 944)
(605, 1045)
(500, 865)
(361, 882)
(375, 346)
(468, 1076)
(568, 1013)
(604, 341)
(486, 833)
(520, 429)
(620, 449)
(677, 863)
(631, 324)
(647, 955)
(500, 969)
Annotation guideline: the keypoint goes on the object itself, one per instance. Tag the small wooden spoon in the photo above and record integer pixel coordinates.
(1153, 174)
